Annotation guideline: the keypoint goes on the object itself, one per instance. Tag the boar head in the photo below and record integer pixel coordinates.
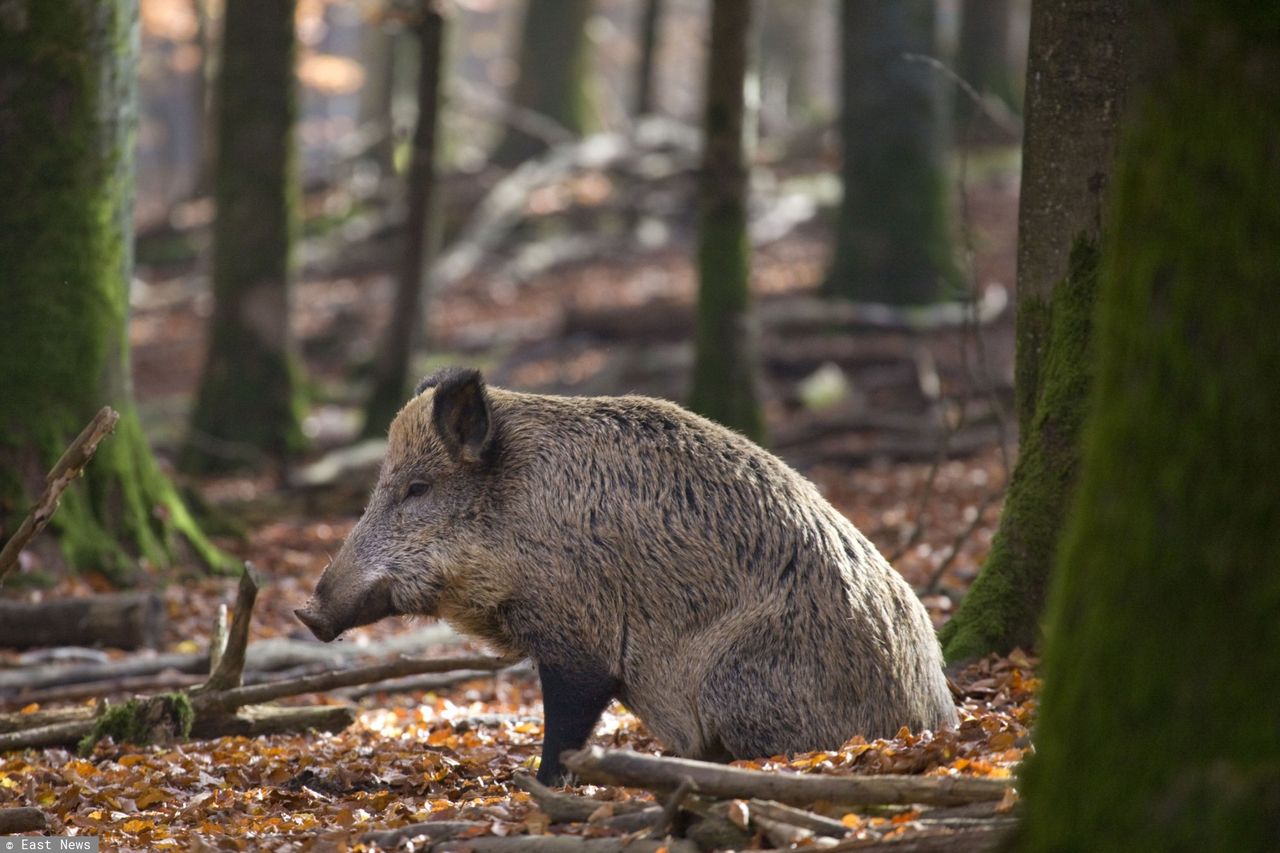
(424, 516)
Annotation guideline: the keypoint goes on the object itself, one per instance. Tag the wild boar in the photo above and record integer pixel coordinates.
(634, 550)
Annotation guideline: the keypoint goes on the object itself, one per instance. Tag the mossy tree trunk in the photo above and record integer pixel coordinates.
(1078, 64)
(725, 369)
(67, 125)
(983, 59)
(1080, 70)
(650, 21)
(1158, 728)
(554, 80)
(391, 379)
(893, 240)
(249, 405)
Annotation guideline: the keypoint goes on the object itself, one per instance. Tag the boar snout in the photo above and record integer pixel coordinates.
(341, 602)
(315, 622)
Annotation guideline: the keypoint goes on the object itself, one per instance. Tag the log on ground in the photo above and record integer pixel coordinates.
(637, 770)
(127, 620)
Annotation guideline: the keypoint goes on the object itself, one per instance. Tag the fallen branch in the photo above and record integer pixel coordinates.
(272, 690)
(960, 841)
(437, 830)
(39, 719)
(264, 656)
(42, 676)
(54, 734)
(568, 808)
(255, 720)
(815, 823)
(21, 819)
(637, 770)
(64, 473)
(564, 844)
(414, 684)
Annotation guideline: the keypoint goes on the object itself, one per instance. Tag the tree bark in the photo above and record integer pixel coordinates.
(893, 240)
(1077, 73)
(726, 368)
(249, 404)
(554, 81)
(1158, 720)
(66, 235)
(391, 379)
(1073, 108)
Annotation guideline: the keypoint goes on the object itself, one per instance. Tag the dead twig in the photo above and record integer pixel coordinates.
(64, 473)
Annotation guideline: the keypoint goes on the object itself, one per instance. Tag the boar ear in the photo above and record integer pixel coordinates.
(460, 413)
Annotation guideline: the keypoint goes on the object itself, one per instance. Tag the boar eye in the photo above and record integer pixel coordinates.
(417, 489)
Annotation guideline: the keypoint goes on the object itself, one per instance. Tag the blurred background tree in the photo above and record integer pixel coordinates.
(553, 83)
(392, 379)
(984, 60)
(250, 402)
(725, 369)
(893, 239)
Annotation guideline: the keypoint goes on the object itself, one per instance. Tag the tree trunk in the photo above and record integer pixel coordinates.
(984, 59)
(1079, 57)
(725, 369)
(378, 56)
(650, 20)
(893, 242)
(67, 122)
(249, 404)
(1158, 727)
(554, 76)
(391, 382)
(1073, 107)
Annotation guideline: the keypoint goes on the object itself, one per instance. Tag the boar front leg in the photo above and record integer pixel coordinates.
(572, 701)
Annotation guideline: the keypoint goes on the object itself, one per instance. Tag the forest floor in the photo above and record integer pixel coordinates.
(450, 754)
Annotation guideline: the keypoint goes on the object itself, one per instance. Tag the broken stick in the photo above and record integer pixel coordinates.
(637, 770)
(227, 665)
(64, 473)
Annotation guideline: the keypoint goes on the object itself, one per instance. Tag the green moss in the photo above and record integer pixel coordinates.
(157, 719)
(1032, 336)
(65, 236)
(1158, 728)
(1003, 607)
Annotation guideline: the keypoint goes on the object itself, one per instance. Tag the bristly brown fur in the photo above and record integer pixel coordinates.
(740, 614)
